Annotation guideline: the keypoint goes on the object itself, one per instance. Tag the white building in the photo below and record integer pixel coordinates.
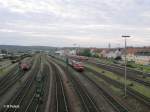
(144, 60)
(111, 53)
(72, 52)
(2, 56)
(65, 52)
(138, 58)
(60, 52)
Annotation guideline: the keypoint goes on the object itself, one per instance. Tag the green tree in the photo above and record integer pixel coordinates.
(86, 52)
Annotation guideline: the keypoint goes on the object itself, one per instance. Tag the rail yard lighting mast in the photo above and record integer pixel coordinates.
(125, 74)
(75, 48)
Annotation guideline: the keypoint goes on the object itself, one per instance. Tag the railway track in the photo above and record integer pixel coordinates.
(87, 100)
(46, 89)
(111, 100)
(9, 75)
(59, 97)
(61, 103)
(120, 71)
(8, 82)
(10, 79)
(32, 106)
(137, 72)
(21, 94)
(143, 99)
(6, 77)
(130, 91)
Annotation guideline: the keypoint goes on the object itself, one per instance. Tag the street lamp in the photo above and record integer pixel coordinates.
(125, 74)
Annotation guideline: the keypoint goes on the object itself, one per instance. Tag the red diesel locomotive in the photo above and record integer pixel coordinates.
(24, 66)
(76, 65)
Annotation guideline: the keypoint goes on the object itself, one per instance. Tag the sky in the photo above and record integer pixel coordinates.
(84, 23)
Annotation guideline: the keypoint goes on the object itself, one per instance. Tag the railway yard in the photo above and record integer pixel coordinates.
(50, 83)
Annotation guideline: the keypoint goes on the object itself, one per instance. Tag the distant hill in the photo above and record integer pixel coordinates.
(26, 48)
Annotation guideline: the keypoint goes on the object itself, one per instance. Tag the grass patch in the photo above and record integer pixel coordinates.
(2, 71)
(90, 74)
(6, 70)
(116, 90)
(132, 65)
(107, 61)
(137, 87)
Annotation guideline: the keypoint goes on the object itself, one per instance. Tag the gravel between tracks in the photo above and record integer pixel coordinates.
(100, 101)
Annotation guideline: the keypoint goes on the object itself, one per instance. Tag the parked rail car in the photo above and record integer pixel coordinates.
(76, 65)
(39, 92)
(39, 78)
(39, 87)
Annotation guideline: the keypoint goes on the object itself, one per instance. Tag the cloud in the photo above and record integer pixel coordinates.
(57, 7)
(146, 14)
(7, 30)
(89, 23)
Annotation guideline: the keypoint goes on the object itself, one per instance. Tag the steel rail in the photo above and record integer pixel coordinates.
(130, 91)
(111, 100)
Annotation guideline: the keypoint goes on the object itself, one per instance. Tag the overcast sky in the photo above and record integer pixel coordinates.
(88, 23)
